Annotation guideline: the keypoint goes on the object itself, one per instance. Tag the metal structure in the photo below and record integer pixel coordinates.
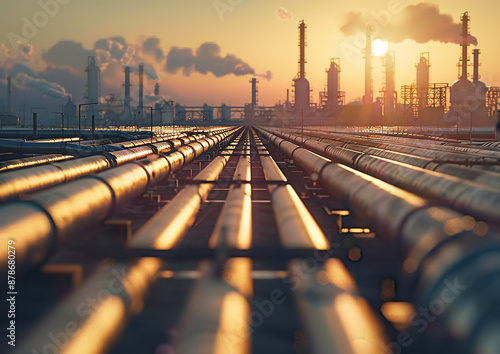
(462, 91)
(301, 84)
(389, 94)
(423, 80)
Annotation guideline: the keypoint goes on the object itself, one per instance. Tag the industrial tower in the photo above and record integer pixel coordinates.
(302, 87)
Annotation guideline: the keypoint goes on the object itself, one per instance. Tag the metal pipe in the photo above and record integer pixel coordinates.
(71, 207)
(223, 326)
(15, 164)
(347, 153)
(128, 284)
(336, 318)
(14, 183)
(441, 249)
(461, 195)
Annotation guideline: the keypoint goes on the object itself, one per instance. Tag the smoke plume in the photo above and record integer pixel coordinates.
(422, 22)
(50, 89)
(206, 59)
(284, 14)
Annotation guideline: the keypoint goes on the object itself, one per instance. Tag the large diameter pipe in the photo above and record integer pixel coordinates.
(15, 183)
(126, 284)
(464, 196)
(24, 162)
(71, 207)
(336, 318)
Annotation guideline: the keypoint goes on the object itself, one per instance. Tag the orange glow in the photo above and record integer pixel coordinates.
(237, 272)
(109, 318)
(410, 265)
(361, 327)
(398, 313)
(355, 254)
(313, 230)
(399, 193)
(339, 275)
(232, 336)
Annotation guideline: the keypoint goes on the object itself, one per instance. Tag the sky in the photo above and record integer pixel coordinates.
(207, 51)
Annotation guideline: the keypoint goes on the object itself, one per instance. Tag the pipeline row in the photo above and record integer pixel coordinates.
(474, 197)
(446, 254)
(422, 153)
(225, 284)
(18, 182)
(162, 232)
(39, 224)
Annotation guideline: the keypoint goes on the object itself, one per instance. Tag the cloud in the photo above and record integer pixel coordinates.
(151, 46)
(68, 53)
(206, 59)
(422, 22)
(284, 14)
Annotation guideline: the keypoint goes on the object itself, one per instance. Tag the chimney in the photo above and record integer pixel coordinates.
(302, 45)
(465, 43)
(127, 88)
(157, 89)
(476, 53)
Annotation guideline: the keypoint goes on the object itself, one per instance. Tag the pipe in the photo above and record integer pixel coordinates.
(327, 312)
(71, 207)
(439, 247)
(464, 196)
(128, 283)
(343, 152)
(30, 180)
(223, 326)
(32, 161)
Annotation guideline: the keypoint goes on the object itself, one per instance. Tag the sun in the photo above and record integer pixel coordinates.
(379, 47)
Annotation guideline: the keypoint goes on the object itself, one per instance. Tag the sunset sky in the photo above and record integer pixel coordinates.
(259, 36)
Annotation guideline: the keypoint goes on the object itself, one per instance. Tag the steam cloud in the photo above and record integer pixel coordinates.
(422, 22)
(284, 14)
(207, 58)
(151, 46)
(50, 89)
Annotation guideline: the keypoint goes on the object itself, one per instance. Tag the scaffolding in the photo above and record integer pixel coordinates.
(410, 100)
(492, 100)
(437, 95)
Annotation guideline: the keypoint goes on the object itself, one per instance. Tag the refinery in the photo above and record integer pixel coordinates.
(137, 221)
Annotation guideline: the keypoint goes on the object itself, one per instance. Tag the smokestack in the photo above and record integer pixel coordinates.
(368, 99)
(157, 89)
(390, 82)
(141, 88)
(8, 95)
(127, 88)
(302, 45)
(254, 92)
(476, 53)
(288, 95)
(465, 43)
